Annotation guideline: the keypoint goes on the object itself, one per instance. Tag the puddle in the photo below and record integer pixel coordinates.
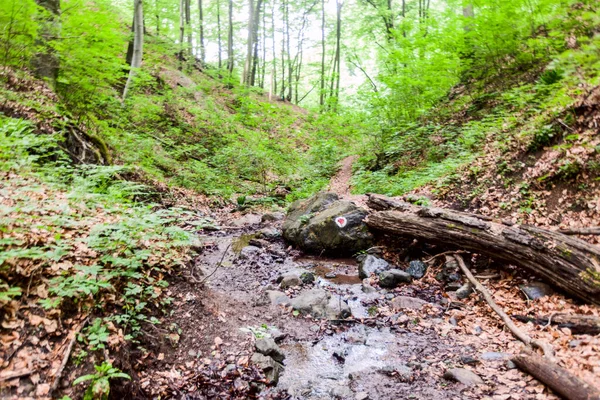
(340, 279)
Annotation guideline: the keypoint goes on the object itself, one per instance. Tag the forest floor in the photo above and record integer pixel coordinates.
(380, 353)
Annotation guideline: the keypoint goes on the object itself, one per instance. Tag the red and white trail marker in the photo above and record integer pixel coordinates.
(341, 221)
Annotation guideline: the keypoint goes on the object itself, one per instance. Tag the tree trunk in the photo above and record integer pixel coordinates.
(566, 262)
(201, 44)
(45, 63)
(273, 90)
(577, 324)
(219, 44)
(338, 54)
(138, 43)
(181, 31)
(188, 27)
(558, 379)
(322, 91)
(249, 45)
(230, 40)
(255, 25)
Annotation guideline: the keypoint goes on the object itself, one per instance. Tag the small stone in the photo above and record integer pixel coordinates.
(463, 376)
(371, 265)
(259, 243)
(393, 277)
(270, 233)
(249, 252)
(192, 353)
(268, 347)
(290, 280)
(307, 278)
(453, 321)
(453, 277)
(330, 275)
(270, 217)
(478, 330)
(270, 367)
(417, 269)
(464, 291)
(510, 364)
(574, 343)
(412, 303)
(361, 396)
(469, 360)
(536, 290)
(276, 297)
(389, 296)
(366, 288)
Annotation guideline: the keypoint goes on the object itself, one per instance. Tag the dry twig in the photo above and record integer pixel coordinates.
(65, 359)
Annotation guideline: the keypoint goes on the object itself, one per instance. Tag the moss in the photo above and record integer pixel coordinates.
(101, 147)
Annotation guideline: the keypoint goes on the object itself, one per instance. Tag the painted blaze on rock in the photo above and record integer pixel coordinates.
(324, 223)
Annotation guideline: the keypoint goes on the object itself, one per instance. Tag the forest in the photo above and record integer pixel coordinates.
(299, 199)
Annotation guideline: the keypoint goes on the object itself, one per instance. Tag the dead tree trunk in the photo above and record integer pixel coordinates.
(566, 262)
(558, 379)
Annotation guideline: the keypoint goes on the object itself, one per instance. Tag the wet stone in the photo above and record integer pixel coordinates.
(393, 278)
(371, 265)
(249, 252)
(417, 269)
(536, 290)
(270, 367)
(463, 376)
(268, 347)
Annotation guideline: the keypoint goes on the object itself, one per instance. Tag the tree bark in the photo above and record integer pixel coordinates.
(138, 43)
(558, 379)
(201, 44)
(322, 91)
(219, 44)
(230, 39)
(566, 262)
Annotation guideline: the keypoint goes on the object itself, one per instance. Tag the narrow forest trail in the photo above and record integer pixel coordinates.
(341, 182)
(397, 343)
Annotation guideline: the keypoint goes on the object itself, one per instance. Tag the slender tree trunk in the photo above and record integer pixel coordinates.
(322, 92)
(157, 16)
(338, 51)
(129, 54)
(230, 39)
(138, 43)
(181, 31)
(289, 50)
(188, 28)
(201, 44)
(45, 63)
(273, 54)
(249, 45)
(255, 25)
(264, 50)
(283, 49)
(219, 44)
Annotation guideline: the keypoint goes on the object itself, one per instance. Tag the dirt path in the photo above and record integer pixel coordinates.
(341, 182)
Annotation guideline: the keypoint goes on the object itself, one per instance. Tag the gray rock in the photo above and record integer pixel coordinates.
(393, 278)
(249, 252)
(310, 224)
(319, 303)
(290, 280)
(469, 360)
(270, 233)
(270, 367)
(268, 347)
(536, 290)
(463, 376)
(330, 275)
(412, 303)
(494, 356)
(510, 364)
(464, 291)
(259, 243)
(361, 396)
(575, 343)
(276, 297)
(366, 288)
(371, 265)
(270, 217)
(417, 269)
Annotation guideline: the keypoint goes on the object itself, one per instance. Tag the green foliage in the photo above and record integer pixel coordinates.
(99, 387)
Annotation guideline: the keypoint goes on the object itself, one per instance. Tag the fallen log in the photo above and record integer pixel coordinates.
(563, 261)
(594, 230)
(578, 324)
(555, 377)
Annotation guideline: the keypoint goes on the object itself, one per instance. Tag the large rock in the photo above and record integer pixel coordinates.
(270, 367)
(371, 265)
(268, 347)
(311, 225)
(319, 303)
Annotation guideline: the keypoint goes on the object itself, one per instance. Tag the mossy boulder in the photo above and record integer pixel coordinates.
(325, 224)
